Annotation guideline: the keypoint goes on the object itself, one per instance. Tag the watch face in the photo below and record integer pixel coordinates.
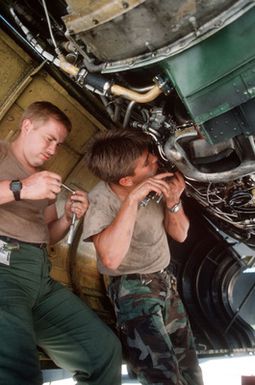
(16, 185)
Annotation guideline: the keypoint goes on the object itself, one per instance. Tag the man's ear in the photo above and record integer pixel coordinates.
(126, 181)
(26, 125)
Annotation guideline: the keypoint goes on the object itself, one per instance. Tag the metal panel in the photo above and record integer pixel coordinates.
(145, 28)
(86, 14)
(219, 69)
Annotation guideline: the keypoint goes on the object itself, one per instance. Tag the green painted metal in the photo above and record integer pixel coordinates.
(218, 73)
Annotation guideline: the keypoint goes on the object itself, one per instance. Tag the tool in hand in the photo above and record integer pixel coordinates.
(151, 196)
(71, 230)
(67, 188)
(72, 227)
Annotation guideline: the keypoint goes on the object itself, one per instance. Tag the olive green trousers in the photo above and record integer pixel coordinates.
(37, 311)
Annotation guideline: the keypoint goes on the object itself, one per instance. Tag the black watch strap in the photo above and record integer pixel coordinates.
(15, 187)
(16, 195)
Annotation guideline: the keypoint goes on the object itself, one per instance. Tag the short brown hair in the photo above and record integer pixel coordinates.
(43, 111)
(111, 155)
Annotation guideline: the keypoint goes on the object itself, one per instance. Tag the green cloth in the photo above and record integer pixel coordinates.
(38, 311)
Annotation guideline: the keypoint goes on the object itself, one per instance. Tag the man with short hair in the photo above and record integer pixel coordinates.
(131, 242)
(35, 310)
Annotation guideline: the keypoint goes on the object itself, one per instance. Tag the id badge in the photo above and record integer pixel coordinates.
(4, 253)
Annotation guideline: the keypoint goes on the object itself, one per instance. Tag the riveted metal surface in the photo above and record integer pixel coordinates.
(146, 27)
(87, 14)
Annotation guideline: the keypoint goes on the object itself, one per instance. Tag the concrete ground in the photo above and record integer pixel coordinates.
(220, 371)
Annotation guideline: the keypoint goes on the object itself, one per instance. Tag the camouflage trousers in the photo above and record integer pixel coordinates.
(154, 328)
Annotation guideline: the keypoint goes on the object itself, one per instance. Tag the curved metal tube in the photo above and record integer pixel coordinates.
(136, 96)
(128, 113)
(107, 106)
(72, 70)
(176, 154)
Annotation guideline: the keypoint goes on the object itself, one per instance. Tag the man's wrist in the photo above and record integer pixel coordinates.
(67, 219)
(131, 201)
(16, 186)
(175, 208)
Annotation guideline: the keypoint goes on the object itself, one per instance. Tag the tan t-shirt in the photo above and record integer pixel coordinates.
(24, 219)
(148, 251)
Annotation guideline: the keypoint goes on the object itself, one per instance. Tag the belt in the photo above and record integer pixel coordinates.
(137, 275)
(13, 240)
(147, 280)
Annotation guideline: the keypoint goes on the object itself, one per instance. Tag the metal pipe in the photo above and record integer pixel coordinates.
(137, 97)
(107, 106)
(176, 154)
(33, 41)
(50, 28)
(58, 61)
(72, 70)
(142, 89)
(128, 113)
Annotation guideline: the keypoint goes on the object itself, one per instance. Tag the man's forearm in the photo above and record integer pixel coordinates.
(58, 229)
(112, 244)
(177, 224)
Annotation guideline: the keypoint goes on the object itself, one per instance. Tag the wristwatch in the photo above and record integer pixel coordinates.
(175, 208)
(15, 187)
